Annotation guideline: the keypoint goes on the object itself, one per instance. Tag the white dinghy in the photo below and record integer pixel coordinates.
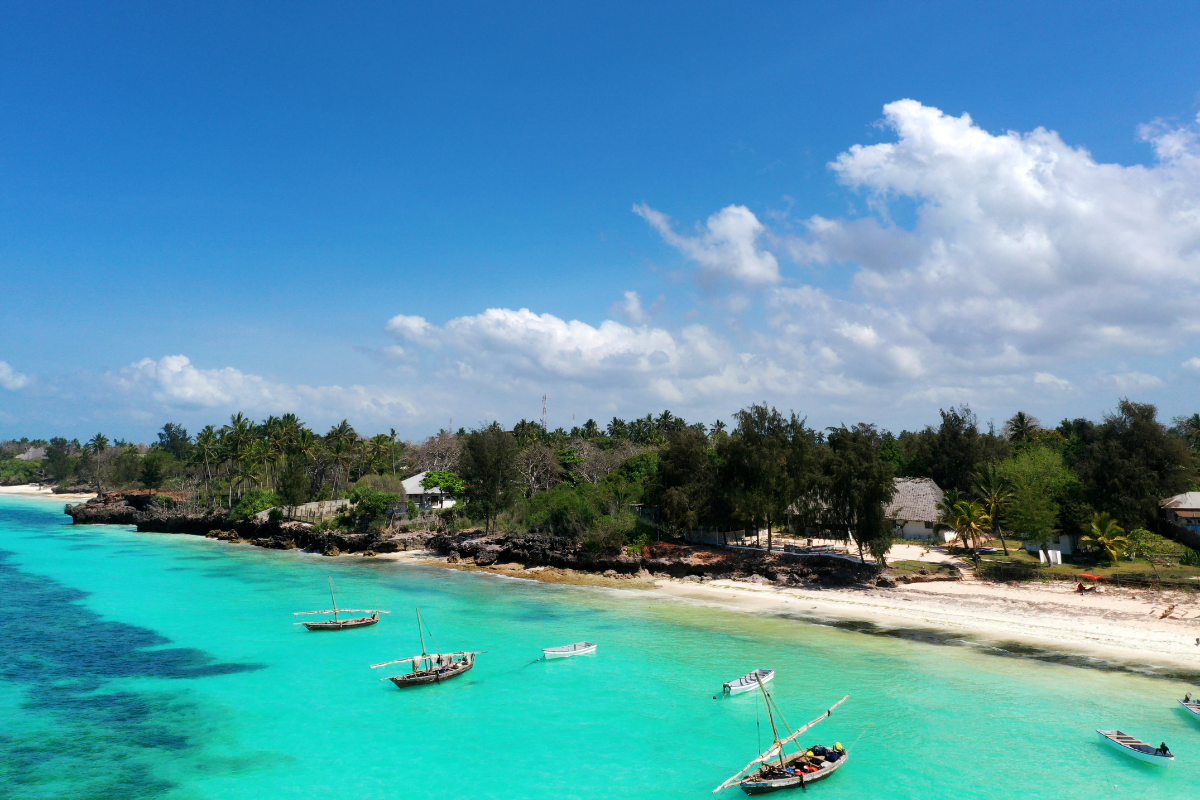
(1191, 704)
(1136, 748)
(748, 681)
(566, 651)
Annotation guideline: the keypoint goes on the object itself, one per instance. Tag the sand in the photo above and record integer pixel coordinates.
(34, 490)
(1135, 628)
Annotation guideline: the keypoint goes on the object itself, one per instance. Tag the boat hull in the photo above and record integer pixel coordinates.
(1192, 708)
(341, 624)
(761, 783)
(737, 687)
(1150, 758)
(425, 677)
(556, 652)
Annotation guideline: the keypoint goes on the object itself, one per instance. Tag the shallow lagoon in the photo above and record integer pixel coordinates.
(147, 665)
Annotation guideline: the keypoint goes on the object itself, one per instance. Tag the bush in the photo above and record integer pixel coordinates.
(1190, 557)
(253, 502)
(275, 514)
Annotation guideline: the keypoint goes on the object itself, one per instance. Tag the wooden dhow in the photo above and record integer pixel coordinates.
(430, 667)
(336, 624)
(774, 769)
(1136, 748)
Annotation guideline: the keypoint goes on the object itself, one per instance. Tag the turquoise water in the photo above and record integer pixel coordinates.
(145, 665)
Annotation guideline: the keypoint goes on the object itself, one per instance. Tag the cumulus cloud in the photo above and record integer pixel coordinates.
(175, 383)
(11, 379)
(725, 247)
(1027, 258)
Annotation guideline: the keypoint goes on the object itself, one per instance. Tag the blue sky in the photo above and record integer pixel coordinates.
(215, 207)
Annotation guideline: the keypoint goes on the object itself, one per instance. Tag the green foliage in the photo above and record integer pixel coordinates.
(1042, 471)
(1033, 515)
(294, 485)
(368, 505)
(1107, 535)
(855, 485)
(14, 471)
(252, 502)
(58, 459)
(275, 514)
(1129, 462)
(488, 467)
(446, 481)
(1190, 557)
(952, 452)
(156, 467)
(174, 440)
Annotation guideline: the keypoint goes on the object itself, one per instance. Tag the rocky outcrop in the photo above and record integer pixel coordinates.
(532, 550)
(679, 561)
(143, 512)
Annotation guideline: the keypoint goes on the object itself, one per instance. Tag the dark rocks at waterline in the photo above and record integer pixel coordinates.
(678, 561)
(148, 517)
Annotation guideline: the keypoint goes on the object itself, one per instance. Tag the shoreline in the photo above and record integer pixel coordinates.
(34, 490)
(1141, 629)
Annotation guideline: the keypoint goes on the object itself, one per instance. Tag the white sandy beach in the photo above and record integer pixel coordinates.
(1134, 627)
(33, 490)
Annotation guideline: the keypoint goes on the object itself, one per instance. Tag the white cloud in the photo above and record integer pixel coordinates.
(726, 247)
(1027, 259)
(1191, 363)
(630, 309)
(11, 379)
(1134, 381)
(175, 383)
(1047, 379)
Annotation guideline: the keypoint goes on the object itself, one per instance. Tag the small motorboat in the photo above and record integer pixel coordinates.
(749, 681)
(568, 650)
(1136, 748)
(1191, 704)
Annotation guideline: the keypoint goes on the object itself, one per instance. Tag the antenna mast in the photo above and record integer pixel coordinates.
(544, 413)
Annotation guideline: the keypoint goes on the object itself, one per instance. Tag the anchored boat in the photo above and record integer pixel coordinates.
(1191, 705)
(568, 650)
(748, 681)
(1131, 746)
(336, 624)
(774, 769)
(430, 667)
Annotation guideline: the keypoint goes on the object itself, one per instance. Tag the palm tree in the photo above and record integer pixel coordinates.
(392, 438)
(994, 493)
(96, 446)
(1189, 429)
(970, 522)
(1106, 534)
(1022, 427)
(207, 447)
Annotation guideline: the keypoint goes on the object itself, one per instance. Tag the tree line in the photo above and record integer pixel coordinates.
(612, 485)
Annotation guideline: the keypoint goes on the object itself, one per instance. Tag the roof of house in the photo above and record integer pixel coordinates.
(1188, 501)
(413, 486)
(916, 499)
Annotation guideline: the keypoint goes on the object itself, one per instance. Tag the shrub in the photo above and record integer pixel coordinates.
(252, 502)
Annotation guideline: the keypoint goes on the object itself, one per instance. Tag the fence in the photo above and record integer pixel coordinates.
(313, 512)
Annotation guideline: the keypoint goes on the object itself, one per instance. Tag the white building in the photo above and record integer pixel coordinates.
(914, 508)
(1183, 509)
(426, 498)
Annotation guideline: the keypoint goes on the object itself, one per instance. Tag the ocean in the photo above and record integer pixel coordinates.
(159, 666)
